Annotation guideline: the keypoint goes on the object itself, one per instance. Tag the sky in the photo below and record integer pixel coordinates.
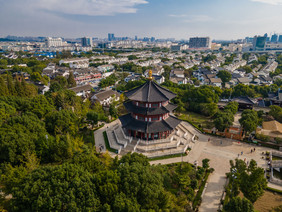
(180, 19)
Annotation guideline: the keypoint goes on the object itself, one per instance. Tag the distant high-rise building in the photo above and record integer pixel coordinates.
(259, 43)
(153, 39)
(274, 38)
(53, 42)
(136, 38)
(280, 39)
(111, 36)
(86, 42)
(199, 42)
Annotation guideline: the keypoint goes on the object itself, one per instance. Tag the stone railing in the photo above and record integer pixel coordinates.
(276, 164)
(163, 147)
(277, 154)
(134, 148)
(120, 142)
(112, 145)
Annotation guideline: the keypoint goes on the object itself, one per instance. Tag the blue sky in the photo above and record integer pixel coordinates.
(181, 19)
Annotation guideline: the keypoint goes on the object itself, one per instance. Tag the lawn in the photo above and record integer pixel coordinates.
(197, 119)
(268, 201)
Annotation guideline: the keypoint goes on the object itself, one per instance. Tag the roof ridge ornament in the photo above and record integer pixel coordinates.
(150, 75)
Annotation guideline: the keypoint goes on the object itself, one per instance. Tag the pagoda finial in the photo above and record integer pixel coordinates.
(150, 75)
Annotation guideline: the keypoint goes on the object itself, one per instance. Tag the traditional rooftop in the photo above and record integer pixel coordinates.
(150, 92)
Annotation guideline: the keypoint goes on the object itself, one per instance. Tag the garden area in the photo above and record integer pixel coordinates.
(199, 120)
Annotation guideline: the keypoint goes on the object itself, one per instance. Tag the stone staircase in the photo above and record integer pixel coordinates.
(176, 143)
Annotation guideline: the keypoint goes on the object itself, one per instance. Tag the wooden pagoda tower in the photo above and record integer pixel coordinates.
(149, 116)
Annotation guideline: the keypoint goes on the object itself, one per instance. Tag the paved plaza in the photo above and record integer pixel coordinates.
(220, 151)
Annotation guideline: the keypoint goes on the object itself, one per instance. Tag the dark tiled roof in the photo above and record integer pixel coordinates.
(149, 111)
(81, 88)
(243, 100)
(129, 122)
(106, 94)
(150, 92)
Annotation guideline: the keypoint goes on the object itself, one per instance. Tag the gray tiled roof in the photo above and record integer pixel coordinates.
(149, 111)
(129, 122)
(150, 92)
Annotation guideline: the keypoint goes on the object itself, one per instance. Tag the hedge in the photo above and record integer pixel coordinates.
(107, 143)
(198, 199)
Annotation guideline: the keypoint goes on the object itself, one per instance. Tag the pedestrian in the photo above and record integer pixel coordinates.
(254, 149)
(209, 139)
(247, 163)
(244, 159)
(220, 142)
(242, 153)
(238, 155)
(251, 151)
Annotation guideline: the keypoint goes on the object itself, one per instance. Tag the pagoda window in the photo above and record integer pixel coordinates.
(146, 105)
(136, 117)
(161, 118)
(150, 119)
(137, 103)
(160, 104)
(155, 118)
(149, 105)
(141, 118)
(146, 119)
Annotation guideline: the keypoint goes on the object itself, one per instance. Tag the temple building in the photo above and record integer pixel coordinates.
(149, 116)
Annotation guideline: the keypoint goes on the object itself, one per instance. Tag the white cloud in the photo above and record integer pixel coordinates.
(88, 7)
(273, 2)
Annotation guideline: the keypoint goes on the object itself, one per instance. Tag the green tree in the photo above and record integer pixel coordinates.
(223, 120)
(55, 188)
(10, 85)
(225, 76)
(276, 112)
(249, 120)
(253, 182)
(3, 87)
(61, 122)
(247, 69)
(36, 77)
(93, 117)
(236, 204)
(231, 107)
(71, 80)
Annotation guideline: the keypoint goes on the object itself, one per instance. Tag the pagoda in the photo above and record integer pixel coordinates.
(149, 116)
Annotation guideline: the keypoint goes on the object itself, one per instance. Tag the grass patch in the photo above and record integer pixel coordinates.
(166, 157)
(196, 119)
(276, 158)
(107, 143)
(274, 190)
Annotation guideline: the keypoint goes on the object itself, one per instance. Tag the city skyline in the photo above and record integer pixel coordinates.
(179, 19)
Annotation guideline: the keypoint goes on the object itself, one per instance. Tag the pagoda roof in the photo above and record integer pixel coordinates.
(150, 92)
(149, 111)
(129, 122)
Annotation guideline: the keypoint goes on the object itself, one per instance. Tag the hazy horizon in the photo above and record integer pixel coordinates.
(180, 19)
